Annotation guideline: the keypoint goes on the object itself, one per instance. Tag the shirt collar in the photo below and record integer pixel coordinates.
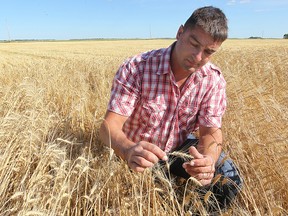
(164, 65)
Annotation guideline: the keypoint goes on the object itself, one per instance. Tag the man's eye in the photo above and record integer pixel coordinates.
(194, 44)
(208, 52)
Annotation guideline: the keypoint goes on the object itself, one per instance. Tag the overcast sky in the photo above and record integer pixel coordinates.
(78, 19)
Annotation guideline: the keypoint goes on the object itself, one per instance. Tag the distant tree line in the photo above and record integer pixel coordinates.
(285, 36)
(252, 37)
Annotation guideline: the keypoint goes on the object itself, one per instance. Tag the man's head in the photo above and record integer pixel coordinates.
(212, 20)
(200, 37)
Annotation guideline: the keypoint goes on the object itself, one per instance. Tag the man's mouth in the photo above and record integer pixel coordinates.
(192, 63)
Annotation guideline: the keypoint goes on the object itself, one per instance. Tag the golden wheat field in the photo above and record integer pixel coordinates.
(53, 97)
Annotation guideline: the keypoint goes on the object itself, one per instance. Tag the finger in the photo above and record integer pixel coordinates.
(205, 181)
(136, 167)
(149, 156)
(155, 150)
(139, 164)
(206, 176)
(190, 170)
(141, 151)
(198, 169)
(200, 176)
(195, 153)
(201, 162)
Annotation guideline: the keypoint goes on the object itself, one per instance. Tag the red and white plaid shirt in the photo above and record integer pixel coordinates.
(145, 89)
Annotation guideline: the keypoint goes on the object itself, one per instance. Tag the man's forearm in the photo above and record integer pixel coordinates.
(210, 142)
(139, 156)
(112, 135)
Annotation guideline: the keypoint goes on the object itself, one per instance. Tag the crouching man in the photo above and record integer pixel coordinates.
(160, 97)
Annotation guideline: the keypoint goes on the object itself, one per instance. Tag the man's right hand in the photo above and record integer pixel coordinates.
(143, 155)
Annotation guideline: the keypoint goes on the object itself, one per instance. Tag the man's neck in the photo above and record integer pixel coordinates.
(179, 73)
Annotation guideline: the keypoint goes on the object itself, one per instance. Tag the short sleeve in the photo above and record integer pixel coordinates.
(125, 89)
(214, 105)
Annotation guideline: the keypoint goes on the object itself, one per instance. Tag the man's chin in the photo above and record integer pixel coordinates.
(192, 70)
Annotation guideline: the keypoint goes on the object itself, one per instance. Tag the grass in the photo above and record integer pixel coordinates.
(54, 95)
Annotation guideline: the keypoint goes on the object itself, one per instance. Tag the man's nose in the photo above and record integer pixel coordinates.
(198, 55)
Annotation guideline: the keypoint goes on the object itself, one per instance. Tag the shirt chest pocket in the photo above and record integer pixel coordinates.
(187, 117)
(153, 112)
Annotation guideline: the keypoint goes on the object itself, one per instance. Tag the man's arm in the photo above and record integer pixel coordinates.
(139, 155)
(202, 167)
(111, 134)
(210, 142)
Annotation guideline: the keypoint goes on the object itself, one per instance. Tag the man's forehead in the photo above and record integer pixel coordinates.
(207, 42)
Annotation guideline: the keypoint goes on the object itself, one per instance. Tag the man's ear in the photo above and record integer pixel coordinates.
(180, 32)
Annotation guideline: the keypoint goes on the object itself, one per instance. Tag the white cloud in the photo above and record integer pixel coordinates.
(233, 2)
(244, 1)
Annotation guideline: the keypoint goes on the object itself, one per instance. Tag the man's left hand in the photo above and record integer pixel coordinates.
(202, 167)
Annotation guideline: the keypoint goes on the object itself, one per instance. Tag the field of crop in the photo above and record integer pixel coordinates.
(53, 97)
